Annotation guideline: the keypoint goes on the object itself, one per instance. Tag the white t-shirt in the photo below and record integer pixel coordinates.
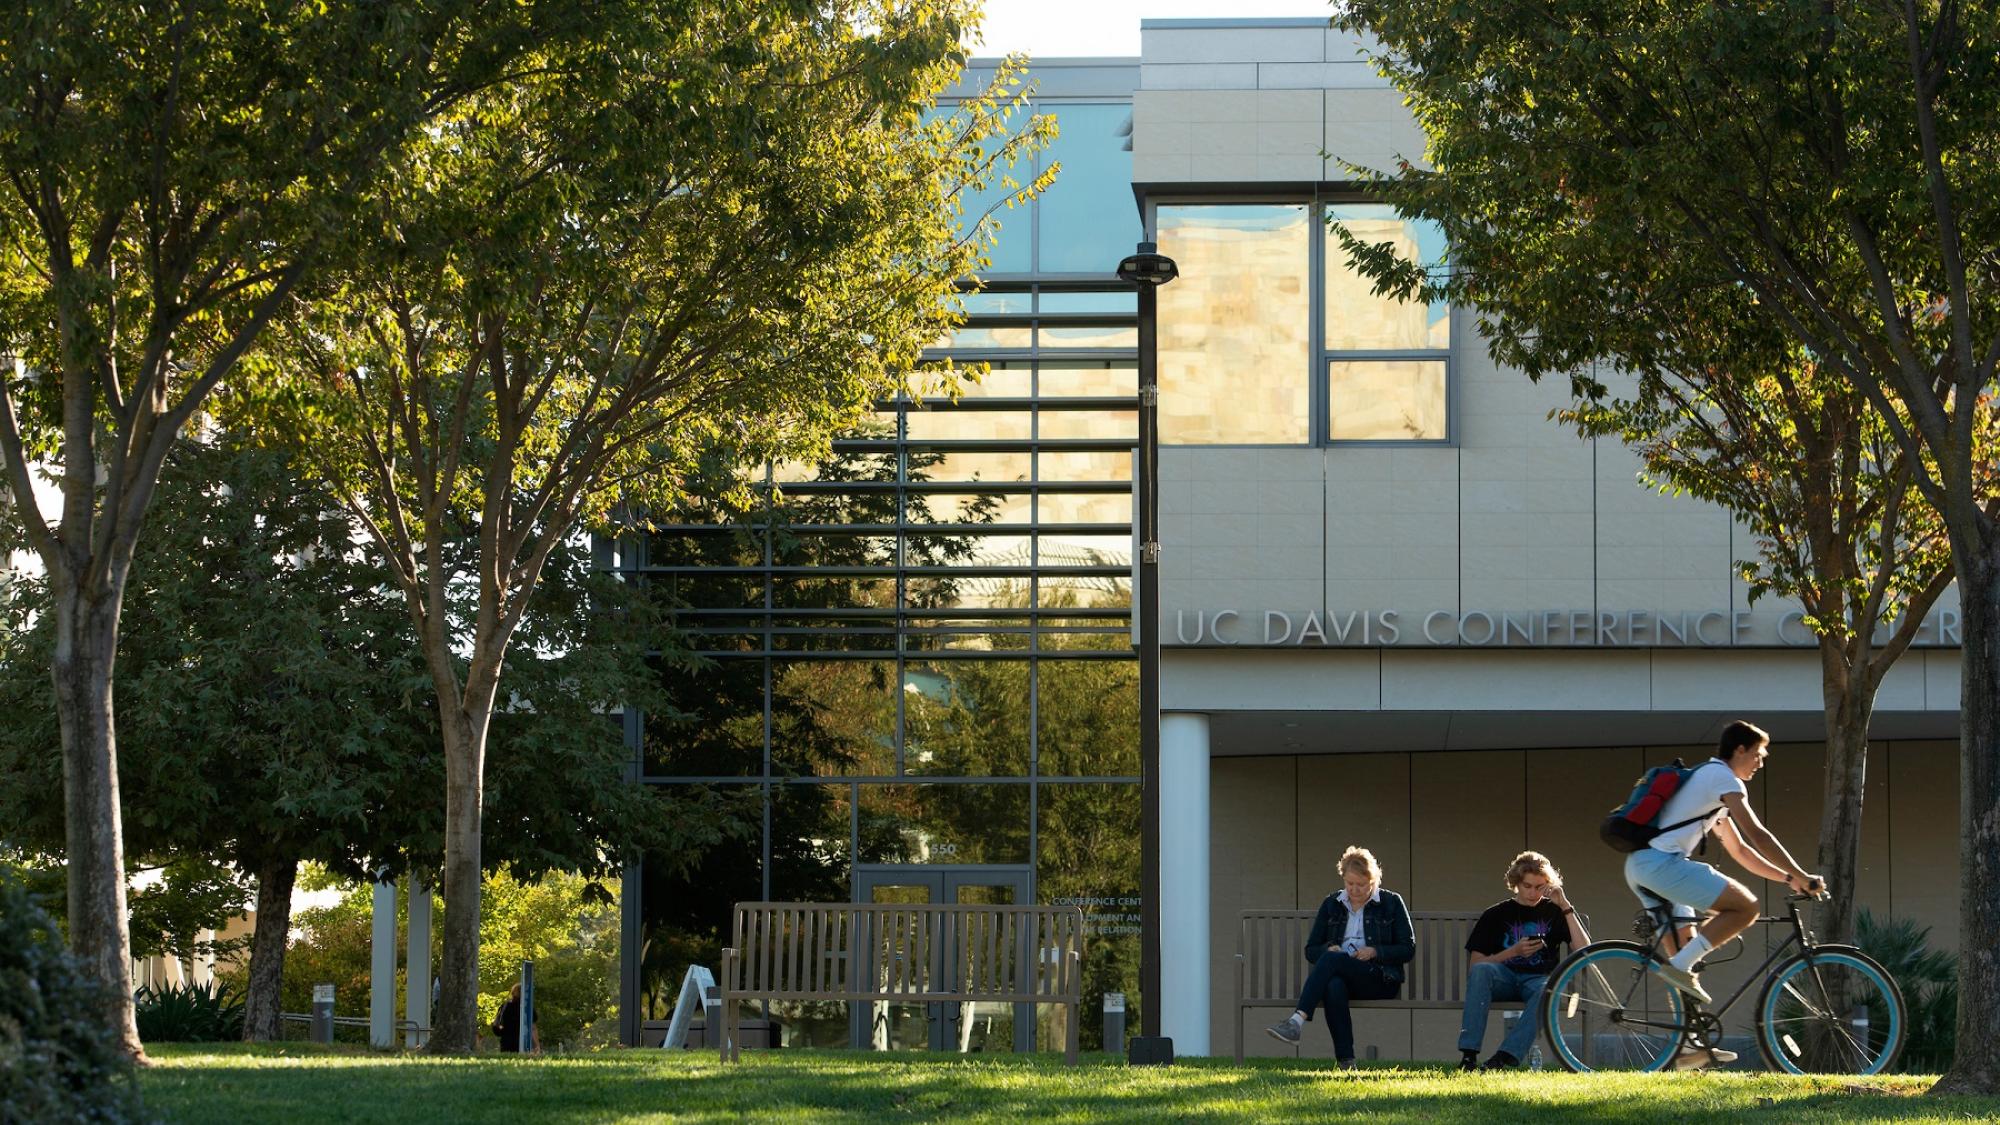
(1701, 796)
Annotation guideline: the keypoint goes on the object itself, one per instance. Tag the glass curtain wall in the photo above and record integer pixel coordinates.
(919, 652)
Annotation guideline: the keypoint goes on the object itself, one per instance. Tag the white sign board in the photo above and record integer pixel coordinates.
(322, 994)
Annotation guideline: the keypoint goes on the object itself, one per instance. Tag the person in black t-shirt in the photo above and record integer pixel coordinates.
(1511, 951)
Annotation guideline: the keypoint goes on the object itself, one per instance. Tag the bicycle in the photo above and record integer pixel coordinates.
(1824, 1009)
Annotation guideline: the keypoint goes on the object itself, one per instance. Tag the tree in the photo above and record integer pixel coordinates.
(1721, 405)
(173, 173)
(281, 714)
(275, 711)
(1818, 173)
(723, 223)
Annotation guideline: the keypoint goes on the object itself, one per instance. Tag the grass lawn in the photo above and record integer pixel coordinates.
(299, 1085)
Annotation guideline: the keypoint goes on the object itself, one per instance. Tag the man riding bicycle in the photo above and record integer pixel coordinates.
(1714, 798)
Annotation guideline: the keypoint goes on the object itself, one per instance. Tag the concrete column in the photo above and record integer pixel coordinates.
(417, 960)
(382, 969)
(1184, 965)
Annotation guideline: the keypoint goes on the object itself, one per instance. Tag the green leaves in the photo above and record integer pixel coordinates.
(1686, 210)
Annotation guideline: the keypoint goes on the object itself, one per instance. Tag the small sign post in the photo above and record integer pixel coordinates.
(322, 1013)
(1114, 1022)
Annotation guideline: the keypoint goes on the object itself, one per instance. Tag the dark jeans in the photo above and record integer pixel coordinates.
(1337, 978)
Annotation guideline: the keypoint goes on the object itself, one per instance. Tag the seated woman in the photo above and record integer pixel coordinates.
(1358, 947)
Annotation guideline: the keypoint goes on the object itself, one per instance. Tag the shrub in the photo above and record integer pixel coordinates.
(189, 1013)
(60, 1059)
(1929, 980)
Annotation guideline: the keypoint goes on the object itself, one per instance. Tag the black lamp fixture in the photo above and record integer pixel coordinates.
(1147, 270)
(1148, 267)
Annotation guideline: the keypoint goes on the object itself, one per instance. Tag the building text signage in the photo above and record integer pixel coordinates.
(1474, 628)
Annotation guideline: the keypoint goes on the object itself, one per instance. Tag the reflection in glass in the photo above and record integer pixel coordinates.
(686, 903)
(865, 635)
(955, 638)
(796, 591)
(944, 423)
(944, 594)
(1085, 507)
(1070, 591)
(1115, 301)
(826, 546)
(967, 507)
(995, 304)
(1087, 717)
(717, 726)
(1073, 377)
(809, 863)
(1121, 642)
(1089, 857)
(1088, 218)
(1095, 465)
(1005, 379)
(979, 550)
(1090, 336)
(966, 718)
(944, 823)
(991, 337)
(1386, 400)
(1097, 425)
(1011, 222)
(934, 465)
(833, 717)
(1359, 320)
(734, 546)
(700, 590)
(1234, 329)
(1087, 550)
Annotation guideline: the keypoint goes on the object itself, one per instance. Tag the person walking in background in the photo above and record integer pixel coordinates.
(1358, 946)
(1510, 953)
(507, 1025)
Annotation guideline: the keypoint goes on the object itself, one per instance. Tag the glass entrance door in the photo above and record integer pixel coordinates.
(967, 1027)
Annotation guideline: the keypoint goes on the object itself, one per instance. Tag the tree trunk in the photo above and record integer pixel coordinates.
(455, 1023)
(1975, 1067)
(275, 879)
(99, 933)
(1849, 706)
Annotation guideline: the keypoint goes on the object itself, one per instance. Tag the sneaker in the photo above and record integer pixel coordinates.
(1284, 1031)
(1348, 1064)
(1468, 1060)
(1681, 979)
(1701, 1058)
(1501, 1060)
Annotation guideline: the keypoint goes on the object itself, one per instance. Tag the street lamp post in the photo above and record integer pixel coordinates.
(1147, 270)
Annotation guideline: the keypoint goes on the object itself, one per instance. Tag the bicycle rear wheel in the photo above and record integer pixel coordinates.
(1838, 1013)
(1605, 1009)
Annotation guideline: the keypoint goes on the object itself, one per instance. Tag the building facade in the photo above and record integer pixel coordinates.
(1402, 608)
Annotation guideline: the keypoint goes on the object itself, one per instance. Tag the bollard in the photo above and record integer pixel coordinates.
(1114, 1022)
(527, 1006)
(322, 1013)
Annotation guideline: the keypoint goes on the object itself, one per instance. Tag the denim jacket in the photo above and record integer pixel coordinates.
(1385, 925)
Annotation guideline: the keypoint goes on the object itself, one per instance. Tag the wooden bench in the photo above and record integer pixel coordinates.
(1271, 964)
(902, 953)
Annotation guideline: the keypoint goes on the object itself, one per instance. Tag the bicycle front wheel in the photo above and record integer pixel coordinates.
(1835, 1012)
(1605, 1009)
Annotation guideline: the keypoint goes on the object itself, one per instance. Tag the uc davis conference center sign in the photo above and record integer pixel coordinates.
(1562, 628)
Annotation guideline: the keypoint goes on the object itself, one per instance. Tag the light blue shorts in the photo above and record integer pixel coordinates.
(1690, 885)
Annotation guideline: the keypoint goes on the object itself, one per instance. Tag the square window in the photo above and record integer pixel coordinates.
(1386, 400)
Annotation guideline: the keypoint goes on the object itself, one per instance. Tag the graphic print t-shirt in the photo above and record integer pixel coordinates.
(1505, 923)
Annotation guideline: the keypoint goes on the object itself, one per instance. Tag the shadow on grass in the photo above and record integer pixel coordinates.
(841, 1086)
